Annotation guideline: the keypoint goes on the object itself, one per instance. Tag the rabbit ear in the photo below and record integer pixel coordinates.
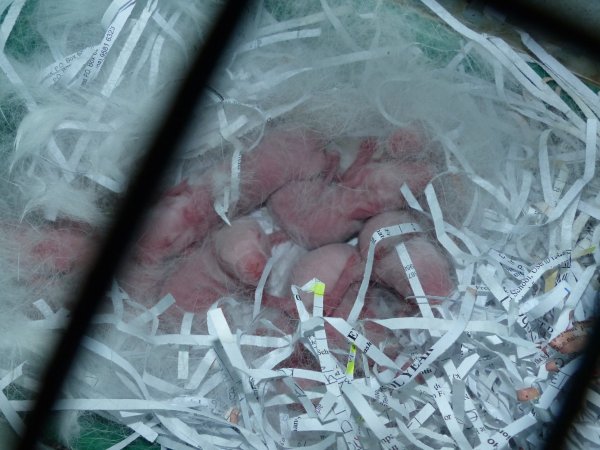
(178, 189)
(332, 167)
(366, 150)
(278, 237)
(349, 275)
(365, 211)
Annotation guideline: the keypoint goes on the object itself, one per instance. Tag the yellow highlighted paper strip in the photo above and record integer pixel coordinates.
(319, 288)
(351, 359)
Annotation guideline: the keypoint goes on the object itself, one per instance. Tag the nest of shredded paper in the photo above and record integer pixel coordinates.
(510, 205)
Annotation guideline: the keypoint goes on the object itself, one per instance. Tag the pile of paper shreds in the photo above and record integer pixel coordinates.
(493, 358)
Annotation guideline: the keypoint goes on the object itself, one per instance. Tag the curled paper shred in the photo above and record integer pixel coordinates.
(482, 368)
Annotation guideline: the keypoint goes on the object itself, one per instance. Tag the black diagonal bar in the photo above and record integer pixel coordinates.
(130, 216)
(573, 394)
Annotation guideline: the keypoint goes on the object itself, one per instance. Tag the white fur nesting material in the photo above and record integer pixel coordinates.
(381, 232)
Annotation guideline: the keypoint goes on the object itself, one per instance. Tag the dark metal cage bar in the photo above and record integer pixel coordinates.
(130, 215)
